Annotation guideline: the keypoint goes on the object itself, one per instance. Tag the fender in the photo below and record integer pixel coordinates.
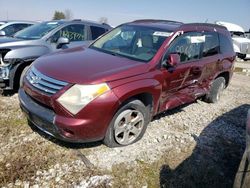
(236, 48)
(25, 53)
(150, 86)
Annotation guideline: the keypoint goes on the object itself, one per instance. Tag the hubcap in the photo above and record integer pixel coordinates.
(128, 126)
(220, 89)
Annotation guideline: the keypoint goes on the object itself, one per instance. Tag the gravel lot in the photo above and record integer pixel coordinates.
(196, 145)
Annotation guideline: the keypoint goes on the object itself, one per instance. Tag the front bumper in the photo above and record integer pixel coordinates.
(46, 120)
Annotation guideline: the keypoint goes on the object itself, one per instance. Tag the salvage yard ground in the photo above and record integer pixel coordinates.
(196, 145)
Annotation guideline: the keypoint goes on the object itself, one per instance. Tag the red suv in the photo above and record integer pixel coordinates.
(110, 90)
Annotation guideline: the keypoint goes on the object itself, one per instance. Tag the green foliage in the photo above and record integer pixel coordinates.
(58, 15)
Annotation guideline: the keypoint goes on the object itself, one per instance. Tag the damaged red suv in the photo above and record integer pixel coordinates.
(110, 90)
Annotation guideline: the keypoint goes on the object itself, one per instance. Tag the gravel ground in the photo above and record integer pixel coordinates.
(196, 145)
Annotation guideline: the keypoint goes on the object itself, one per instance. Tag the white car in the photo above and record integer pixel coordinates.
(240, 42)
(9, 28)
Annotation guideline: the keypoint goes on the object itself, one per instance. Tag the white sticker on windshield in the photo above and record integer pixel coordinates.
(162, 34)
(52, 23)
(197, 39)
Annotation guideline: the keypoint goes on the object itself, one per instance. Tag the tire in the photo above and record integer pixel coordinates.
(122, 130)
(22, 76)
(216, 89)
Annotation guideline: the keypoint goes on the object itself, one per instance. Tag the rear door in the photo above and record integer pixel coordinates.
(211, 60)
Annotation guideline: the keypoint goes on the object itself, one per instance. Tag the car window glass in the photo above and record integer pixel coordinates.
(226, 45)
(96, 31)
(211, 45)
(73, 32)
(134, 42)
(12, 29)
(187, 46)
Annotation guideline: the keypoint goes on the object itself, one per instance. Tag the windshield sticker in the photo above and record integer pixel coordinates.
(197, 39)
(162, 34)
(52, 23)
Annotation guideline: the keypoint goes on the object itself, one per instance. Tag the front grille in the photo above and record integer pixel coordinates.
(245, 48)
(44, 83)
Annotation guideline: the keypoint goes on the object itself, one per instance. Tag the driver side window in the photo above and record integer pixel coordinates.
(187, 46)
(74, 32)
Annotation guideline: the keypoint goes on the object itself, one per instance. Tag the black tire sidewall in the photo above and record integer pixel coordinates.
(109, 139)
(212, 96)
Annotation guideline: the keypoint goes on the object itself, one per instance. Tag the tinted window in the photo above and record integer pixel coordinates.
(96, 31)
(211, 45)
(73, 32)
(226, 45)
(37, 31)
(187, 46)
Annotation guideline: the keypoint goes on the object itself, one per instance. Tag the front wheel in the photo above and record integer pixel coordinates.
(128, 125)
(216, 90)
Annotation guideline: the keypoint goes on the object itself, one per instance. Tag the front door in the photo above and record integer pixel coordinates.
(179, 80)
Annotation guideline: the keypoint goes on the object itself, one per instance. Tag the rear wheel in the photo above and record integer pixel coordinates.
(216, 90)
(128, 125)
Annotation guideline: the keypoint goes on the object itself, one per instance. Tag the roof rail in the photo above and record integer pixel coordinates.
(76, 20)
(205, 24)
(155, 20)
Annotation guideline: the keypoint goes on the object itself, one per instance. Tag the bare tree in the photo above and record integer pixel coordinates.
(68, 14)
(103, 20)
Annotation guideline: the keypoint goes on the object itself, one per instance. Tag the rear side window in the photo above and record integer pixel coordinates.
(96, 31)
(211, 45)
(226, 45)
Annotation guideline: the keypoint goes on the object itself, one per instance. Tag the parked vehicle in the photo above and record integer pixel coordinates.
(18, 52)
(9, 28)
(247, 34)
(240, 42)
(110, 90)
(242, 178)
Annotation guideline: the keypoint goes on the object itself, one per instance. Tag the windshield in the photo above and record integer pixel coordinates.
(36, 31)
(237, 34)
(134, 42)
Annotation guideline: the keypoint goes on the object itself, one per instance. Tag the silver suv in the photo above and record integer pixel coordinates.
(18, 52)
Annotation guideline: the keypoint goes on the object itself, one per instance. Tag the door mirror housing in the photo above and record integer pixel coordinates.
(62, 41)
(2, 33)
(173, 60)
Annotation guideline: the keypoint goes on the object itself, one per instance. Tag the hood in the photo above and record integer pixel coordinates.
(241, 39)
(88, 66)
(8, 39)
(7, 42)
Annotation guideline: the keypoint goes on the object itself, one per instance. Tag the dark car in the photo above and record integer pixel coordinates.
(9, 28)
(242, 178)
(18, 52)
(110, 90)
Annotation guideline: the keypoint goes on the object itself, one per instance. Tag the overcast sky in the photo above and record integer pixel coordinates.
(119, 11)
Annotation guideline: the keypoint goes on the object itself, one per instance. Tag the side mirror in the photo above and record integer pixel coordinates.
(62, 41)
(2, 33)
(173, 60)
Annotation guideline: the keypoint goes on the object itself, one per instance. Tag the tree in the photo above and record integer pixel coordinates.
(68, 14)
(103, 20)
(58, 15)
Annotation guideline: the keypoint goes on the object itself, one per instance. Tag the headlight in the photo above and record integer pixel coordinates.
(78, 96)
(4, 72)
